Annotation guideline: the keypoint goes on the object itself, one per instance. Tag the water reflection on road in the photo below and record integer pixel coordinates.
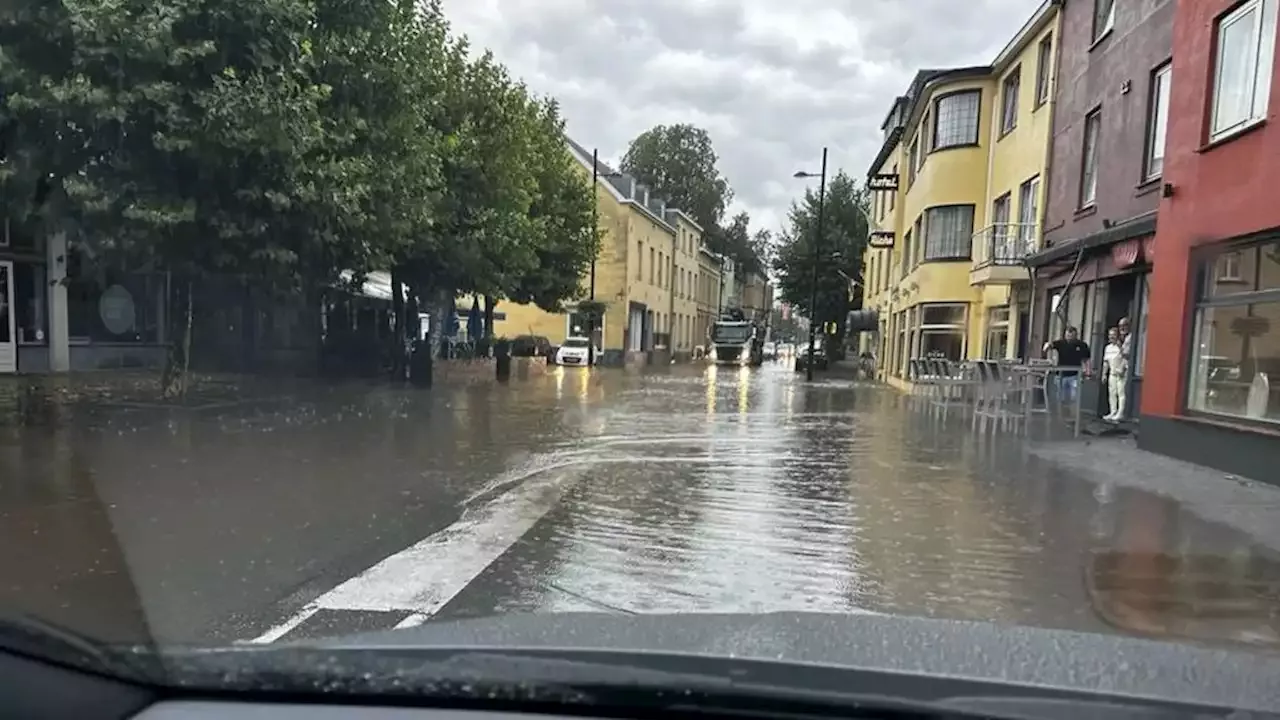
(674, 490)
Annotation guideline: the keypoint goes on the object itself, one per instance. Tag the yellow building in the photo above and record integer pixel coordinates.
(967, 148)
(648, 255)
(706, 293)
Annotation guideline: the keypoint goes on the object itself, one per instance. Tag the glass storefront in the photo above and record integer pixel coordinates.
(1235, 353)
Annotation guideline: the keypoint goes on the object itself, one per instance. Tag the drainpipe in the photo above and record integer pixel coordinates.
(1046, 176)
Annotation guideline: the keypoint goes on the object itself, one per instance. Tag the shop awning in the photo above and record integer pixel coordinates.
(863, 321)
(1138, 227)
(377, 284)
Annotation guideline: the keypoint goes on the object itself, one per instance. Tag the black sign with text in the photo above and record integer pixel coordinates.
(883, 181)
(881, 239)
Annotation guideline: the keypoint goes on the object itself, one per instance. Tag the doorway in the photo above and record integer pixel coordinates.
(8, 332)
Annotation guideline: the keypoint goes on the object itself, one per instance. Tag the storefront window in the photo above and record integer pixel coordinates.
(1235, 355)
(111, 307)
(941, 331)
(29, 303)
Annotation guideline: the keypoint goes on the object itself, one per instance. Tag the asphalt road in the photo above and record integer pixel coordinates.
(677, 490)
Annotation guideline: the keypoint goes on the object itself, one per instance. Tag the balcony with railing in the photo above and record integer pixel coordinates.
(1000, 251)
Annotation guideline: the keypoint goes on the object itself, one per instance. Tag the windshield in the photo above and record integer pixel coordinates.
(284, 288)
(731, 333)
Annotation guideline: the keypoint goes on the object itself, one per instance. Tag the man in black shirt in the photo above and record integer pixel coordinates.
(1073, 353)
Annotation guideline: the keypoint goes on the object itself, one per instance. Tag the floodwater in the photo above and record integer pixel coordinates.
(675, 490)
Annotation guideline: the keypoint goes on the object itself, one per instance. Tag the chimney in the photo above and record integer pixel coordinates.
(646, 197)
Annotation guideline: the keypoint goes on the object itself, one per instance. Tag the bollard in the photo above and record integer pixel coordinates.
(420, 365)
(502, 360)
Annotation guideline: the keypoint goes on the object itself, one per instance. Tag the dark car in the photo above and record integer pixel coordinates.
(819, 358)
(531, 346)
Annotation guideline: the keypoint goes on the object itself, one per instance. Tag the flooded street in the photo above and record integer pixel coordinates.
(677, 490)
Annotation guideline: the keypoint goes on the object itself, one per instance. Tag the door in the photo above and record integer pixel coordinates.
(8, 331)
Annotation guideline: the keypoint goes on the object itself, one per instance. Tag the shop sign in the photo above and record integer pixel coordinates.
(882, 239)
(883, 181)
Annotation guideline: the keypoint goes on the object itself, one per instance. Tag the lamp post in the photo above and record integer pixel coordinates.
(817, 247)
(595, 228)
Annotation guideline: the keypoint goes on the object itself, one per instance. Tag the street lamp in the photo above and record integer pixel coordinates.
(817, 243)
(595, 228)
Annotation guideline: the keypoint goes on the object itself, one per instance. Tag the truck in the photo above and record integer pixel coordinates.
(735, 340)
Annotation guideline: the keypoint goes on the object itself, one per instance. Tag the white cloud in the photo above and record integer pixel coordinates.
(772, 81)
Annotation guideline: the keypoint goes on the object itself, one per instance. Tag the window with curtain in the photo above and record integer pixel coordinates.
(948, 232)
(1009, 100)
(1089, 155)
(956, 119)
(1157, 121)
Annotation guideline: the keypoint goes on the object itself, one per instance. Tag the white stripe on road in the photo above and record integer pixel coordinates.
(424, 577)
(287, 626)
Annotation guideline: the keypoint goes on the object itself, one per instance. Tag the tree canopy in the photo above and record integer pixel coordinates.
(679, 163)
(287, 141)
(838, 256)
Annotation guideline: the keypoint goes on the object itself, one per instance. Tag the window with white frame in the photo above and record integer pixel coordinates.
(948, 232)
(1246, 40)
(1104, 17)
(1009, 101)
(1028, 213)
(956, 119)
(1089, 165)
(1157, 121)
(1044, 70)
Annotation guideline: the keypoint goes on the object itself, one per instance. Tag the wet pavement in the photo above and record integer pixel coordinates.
(676, 490)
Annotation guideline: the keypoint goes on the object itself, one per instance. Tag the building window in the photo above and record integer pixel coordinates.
(1001, 251)
(942, 330)
(905, 263)
(1044, 70)
(1242, 80)
(652, 265)
(893, 195)
(956, 119)
(1157, 121)
(1089, 166)
(1235, 353)
(997, 345)
(1104, 18)
(1009, 101)
(948, 232)
(926, 133)
(913, 156)
(639, 260)
(1028, 214)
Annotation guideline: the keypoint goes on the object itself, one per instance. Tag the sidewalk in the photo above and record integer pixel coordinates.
(1250, 506)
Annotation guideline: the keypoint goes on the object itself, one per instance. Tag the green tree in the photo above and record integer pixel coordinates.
(838, 257)
(679, 163)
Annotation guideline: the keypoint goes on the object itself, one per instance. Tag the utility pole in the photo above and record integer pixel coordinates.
(595, 250)
(817, 256)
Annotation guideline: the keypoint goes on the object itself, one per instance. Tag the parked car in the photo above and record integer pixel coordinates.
(531, 346)
(819, 358)
(574, 352)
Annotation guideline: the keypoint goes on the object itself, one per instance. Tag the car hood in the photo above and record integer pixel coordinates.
(1017, 655)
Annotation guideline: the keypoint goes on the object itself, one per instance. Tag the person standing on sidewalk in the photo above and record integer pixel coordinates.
(1114, 362)
(1119, 405)
(1073, 353)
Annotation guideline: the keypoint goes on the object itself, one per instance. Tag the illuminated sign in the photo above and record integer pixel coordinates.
(883, 181)
(881, 239)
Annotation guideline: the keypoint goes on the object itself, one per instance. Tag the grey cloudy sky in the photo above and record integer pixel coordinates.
(771, 80)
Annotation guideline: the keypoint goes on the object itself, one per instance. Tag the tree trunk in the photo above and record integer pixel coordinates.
(489, 304)
(173, 379)
(399, 332)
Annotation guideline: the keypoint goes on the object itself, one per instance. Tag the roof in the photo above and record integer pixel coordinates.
(924, 79)
(628, 190)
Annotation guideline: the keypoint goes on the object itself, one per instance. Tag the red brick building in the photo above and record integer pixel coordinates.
(1211, 392)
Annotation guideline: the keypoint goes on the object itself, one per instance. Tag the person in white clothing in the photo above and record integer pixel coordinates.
(1113, 363)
